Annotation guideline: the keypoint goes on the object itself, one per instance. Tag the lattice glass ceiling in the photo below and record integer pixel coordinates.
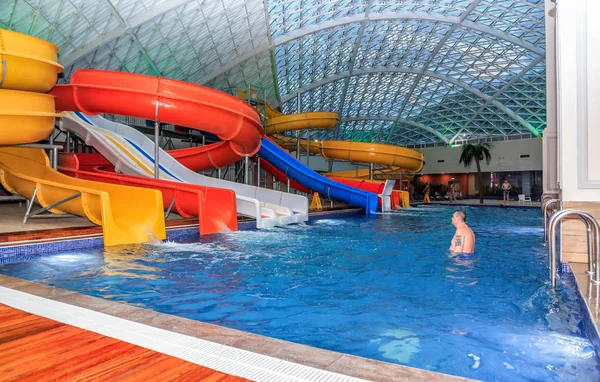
(407, 72)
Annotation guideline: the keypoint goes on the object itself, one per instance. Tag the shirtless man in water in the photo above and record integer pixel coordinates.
(464, 239)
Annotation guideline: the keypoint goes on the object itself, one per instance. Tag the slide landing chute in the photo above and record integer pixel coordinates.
(131, 152)
(127, 214)
(314, 181)
(214, 207)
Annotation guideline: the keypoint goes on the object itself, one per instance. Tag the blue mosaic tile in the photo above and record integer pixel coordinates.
(8, 254)
(175, 234)
(588, 327)
(55, 246)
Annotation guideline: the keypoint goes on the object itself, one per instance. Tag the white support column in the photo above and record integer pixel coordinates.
(550, 136)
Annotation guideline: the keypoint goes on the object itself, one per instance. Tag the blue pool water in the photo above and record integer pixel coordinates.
(385, 288)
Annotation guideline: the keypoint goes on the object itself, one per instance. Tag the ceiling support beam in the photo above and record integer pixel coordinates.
(434, 53)
(361, 33)
(395, 119)
(129, 30)
(272, 53)
(496, 95)
(425, 73)
(113, 34)
(366, 17)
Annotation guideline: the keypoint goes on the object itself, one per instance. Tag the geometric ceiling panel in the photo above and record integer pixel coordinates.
(480, 60)
(406, 72)
(289, 15)
(377, 94)
(313, 57)
(393, 43)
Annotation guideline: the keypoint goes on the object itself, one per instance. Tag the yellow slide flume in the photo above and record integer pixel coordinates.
(278, 123)
(127, 214)
(399, 159)
(27, 63)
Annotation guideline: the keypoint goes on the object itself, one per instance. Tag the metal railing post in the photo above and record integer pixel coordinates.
(593, 235)
(246, 169)
(298, 107)
(258, 171)
(545, 213)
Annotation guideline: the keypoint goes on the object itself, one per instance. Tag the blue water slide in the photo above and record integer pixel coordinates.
(294, 169)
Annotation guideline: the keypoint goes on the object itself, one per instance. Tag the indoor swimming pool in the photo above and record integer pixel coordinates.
(385, 288)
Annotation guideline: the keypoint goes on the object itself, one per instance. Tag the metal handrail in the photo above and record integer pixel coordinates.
(545, 212)
(544, 199)
(593, 239)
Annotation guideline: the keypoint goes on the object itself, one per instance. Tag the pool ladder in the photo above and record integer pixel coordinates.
(593, 240)
(557, 203)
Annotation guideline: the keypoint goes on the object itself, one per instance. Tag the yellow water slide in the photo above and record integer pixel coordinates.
(127, 214)
(29, 68)
(398, 159)
(278, 123)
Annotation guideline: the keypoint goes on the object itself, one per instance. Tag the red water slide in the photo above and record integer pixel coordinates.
(215, 207)
(167, 101)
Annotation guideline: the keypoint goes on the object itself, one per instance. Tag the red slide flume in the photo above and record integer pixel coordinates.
(215, 207)
(164, 100)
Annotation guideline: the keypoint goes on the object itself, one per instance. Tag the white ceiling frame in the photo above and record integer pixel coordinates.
(376, 17)
(400, 120)
(498, 93)
(426, 73)
(126, 26)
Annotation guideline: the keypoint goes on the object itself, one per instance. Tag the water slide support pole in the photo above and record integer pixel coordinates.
(219, 173)
(156, 143)
(288, 185)
(298, 106)
(68, 142)
(246, 166)
(371, 170)
(54, 158)
(258, 172)
(307, 148)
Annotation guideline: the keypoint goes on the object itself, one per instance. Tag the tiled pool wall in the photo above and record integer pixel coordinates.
(27, 251)
(589, 328)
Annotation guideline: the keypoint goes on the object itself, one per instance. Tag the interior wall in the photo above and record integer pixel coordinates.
(578, 77)
(518, 155)
(578, 97)
(550, 135)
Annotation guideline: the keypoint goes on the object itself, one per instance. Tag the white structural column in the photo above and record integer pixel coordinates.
(578, 84)
(550, 153)
(578, 123)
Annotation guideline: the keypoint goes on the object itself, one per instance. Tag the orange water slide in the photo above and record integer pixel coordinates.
(166, 101)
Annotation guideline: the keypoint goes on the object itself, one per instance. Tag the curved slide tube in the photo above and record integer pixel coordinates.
(25, 117)
(131, 152)
(278, 123)
(164, 100)
(397, 157)
(318, 183)
(27, 65)
(214, 207)
(127, 214)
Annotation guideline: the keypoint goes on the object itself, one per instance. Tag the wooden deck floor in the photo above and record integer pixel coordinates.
(34, 348)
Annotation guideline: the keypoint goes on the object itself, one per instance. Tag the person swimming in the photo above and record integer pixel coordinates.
(464, 238)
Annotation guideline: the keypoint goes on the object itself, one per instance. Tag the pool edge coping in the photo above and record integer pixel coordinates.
(304, 355)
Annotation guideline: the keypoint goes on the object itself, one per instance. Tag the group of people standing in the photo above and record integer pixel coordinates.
(452, 193)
